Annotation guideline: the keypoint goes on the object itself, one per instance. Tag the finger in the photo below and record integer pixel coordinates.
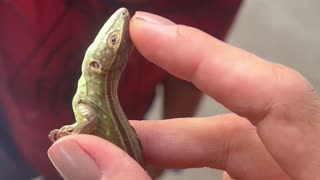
(226, 142)
(226, 176)
(278, 100)
(90, 157)
(235, 78)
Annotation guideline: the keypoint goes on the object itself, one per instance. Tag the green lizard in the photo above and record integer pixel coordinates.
(96, 105)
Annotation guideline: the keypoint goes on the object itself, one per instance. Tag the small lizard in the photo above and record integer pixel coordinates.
(96, 104)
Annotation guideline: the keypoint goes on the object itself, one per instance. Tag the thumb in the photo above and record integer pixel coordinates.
(91, 157)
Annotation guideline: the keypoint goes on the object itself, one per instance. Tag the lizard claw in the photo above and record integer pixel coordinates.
(56, 134)
(53, 135)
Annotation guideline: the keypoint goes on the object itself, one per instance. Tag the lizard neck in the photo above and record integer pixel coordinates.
(91, 87)
(102, 90)
(111, 96)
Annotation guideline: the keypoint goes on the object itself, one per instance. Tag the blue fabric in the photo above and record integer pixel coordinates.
(12, 167)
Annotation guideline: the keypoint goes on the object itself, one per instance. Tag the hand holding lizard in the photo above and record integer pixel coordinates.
(271, 134)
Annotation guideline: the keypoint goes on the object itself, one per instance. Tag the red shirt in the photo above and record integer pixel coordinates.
(42, 44)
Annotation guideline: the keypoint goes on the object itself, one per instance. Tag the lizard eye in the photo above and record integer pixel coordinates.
(113, 39)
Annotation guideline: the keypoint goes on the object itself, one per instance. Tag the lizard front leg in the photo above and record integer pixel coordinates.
(87, 124)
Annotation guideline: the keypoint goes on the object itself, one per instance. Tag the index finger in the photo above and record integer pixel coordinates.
(242, 82)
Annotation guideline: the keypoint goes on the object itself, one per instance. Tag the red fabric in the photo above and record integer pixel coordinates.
(42, 44)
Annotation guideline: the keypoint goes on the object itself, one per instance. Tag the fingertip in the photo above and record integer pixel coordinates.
(152, 18)
(69, 158)
(100, 158)
(169, 46)
(142, 25)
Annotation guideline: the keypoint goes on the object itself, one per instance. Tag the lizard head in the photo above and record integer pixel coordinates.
(110, 50)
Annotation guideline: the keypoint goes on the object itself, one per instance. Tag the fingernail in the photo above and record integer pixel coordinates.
(72, 162)
(152, 18)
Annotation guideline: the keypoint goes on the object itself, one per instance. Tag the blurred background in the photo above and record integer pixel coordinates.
(282, 31)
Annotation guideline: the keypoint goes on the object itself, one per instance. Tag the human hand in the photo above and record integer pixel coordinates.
(271, 134)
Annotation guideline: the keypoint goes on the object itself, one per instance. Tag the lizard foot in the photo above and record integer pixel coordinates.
(56, 134)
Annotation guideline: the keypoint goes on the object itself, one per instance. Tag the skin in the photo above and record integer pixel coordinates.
(272, 132)
(96, 104)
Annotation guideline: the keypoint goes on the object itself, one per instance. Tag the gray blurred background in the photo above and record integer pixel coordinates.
(282, 31)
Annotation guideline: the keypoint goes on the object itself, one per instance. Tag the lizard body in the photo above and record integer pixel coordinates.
(96, 104)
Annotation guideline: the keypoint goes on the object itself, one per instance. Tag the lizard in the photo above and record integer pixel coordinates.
(96, 105)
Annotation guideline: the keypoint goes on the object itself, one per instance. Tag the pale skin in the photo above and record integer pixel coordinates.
(273, 132)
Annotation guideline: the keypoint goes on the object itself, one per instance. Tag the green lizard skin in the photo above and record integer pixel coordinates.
(96, 105)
